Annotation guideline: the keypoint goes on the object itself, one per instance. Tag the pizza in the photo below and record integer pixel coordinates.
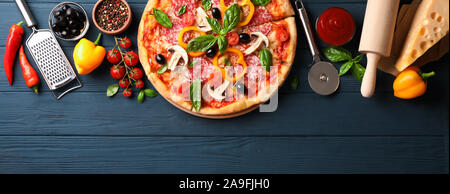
(217, 57)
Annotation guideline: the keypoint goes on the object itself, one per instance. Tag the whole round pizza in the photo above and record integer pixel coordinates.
(217, 57)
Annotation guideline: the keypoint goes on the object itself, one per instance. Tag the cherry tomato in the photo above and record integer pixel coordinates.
(131, 59)
(139, 84)
(113, 56)
(233, 38)
(125, 43)
(282, 35)
(124, 83)
(117, 71)
(187, 19)
(136, 74)
(127, 92)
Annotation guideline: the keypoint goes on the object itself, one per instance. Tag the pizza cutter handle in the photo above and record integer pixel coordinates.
(307, 28)
(26, 13)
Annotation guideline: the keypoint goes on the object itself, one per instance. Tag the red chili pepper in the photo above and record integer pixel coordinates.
(28, 73)
(12, 45)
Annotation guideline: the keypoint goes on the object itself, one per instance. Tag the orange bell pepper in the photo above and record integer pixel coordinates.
(411, 83)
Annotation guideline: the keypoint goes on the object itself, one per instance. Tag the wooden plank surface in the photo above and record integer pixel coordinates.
(222, 155)
(86, 132)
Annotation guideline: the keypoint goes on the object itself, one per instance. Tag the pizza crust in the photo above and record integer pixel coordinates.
(284, 7)
(240, 106)
(292, 29)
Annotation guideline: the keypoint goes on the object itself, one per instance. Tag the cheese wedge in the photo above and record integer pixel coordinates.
(429, 26)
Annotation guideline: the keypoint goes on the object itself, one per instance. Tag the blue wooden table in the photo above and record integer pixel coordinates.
(86, 132)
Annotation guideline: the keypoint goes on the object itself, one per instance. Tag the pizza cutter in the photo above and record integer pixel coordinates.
(323, 77)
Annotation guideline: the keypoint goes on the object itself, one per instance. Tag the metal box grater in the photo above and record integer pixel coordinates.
(49, 57)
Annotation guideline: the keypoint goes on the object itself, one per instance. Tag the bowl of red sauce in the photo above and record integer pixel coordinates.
(336, 26)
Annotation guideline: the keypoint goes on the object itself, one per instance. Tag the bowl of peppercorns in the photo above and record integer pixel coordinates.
(112, 17)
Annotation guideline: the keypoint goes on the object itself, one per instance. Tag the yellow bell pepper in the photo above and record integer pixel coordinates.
(247, 19)
(411, 83)
(185, 45)
(224, 71)
(88, 55)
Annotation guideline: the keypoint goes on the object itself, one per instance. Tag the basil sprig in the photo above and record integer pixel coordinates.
(205, 42)
(206, 4)
(261, 2)
(337, 54)
(150, 93)
(265, 59)
(162, 18)
(201, 43)
(231, 19)
(112, 90)
(358, 71)
(215, 25)
(182, 10)
(196, 95)
(141, 96)
(147, 92)
(222, 43)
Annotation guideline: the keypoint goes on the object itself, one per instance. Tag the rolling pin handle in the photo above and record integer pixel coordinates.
(370, 76)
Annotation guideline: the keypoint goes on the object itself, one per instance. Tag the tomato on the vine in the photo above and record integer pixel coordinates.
(127, 92)
(136, 74)
(131, 59)
(124, 83)
(139, 84)
(125, 43)
(114, 56)
(118, 71)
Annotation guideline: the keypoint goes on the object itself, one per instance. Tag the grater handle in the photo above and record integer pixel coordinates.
(26, 13)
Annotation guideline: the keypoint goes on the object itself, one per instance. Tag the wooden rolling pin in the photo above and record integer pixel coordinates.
(376, 38)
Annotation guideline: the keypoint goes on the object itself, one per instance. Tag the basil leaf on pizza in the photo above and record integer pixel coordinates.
(206, 4)
(261, 2)
(191, 64)
(201, 43)
(182, 10)
(231, 19)
(265, 59)
(162, 18)
(222, 43)
(196, 94)
(215, 25)
(162, 69)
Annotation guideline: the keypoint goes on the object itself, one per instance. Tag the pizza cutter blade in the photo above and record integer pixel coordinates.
(323, 77)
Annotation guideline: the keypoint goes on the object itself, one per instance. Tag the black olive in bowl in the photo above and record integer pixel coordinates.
(69, 21)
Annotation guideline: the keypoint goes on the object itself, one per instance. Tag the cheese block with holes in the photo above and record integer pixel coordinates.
(430, 25)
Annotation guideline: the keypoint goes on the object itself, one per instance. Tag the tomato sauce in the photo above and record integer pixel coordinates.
(336, 26)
